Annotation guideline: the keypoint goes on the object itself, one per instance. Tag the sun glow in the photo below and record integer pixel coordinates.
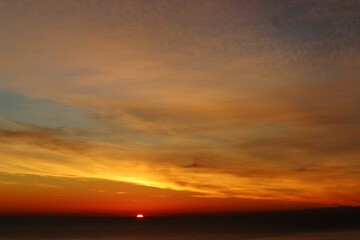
(139, 216)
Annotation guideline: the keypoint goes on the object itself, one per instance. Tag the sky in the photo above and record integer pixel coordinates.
(178, 107)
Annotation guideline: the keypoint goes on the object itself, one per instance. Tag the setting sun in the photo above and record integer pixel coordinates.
(139, 216)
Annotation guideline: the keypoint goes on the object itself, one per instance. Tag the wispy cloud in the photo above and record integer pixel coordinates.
(253, 100)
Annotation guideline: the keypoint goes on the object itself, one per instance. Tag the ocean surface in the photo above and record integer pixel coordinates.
(320, 225)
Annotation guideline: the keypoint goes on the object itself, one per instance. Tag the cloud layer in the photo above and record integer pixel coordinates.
(230, 99)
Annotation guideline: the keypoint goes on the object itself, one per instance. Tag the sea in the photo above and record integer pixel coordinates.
(341, 225)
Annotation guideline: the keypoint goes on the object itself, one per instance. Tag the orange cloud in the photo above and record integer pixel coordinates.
(215, 99)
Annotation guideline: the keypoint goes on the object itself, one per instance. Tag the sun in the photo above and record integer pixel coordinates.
(139, 216)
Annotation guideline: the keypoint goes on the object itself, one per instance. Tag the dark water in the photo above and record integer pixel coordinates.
(309, 225)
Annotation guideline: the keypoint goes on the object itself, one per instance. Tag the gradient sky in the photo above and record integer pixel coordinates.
(178, 107)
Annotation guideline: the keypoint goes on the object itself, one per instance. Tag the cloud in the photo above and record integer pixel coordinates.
(222, 99)
(251, 182)
(324, 27)
(52, 139)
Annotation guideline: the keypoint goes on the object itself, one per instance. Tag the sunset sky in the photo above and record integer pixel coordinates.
(178, 107)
